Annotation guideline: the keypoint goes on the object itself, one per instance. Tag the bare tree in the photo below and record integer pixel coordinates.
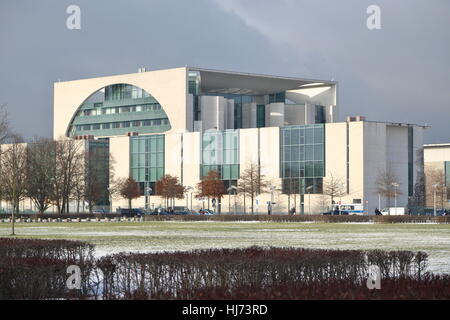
(386, 184)
(14, 176)
(252, 183)
(419, 195)
(40, 172)
(68, 160)
(333, 187)
(435, 187)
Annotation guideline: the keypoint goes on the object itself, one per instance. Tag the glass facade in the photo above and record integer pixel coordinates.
(220, 152)
(277, 97)
(260, 116)
(97, 167)
(320, 114)
(302, 158)
(118, 109)
(147, 160)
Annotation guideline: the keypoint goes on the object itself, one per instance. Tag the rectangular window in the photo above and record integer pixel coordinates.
(106, 125)
(260, 116)
(302, 155)
(147, 158)
(116, 125)
(126, 124)
(220, 151)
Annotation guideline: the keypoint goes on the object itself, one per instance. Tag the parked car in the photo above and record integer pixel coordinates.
(206, 212)
(99, 211)
(159, 211)
(392, 211)
(131, 212)
(336, 212)
(181, 212)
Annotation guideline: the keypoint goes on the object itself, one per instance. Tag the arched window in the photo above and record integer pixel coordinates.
(118, 109)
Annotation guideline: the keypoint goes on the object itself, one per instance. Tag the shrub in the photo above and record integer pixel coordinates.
(180, 274)
(36, 269)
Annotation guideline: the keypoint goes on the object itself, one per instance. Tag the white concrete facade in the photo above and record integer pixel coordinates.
(354, 151)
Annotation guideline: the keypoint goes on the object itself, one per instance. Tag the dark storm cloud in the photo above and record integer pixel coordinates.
(399, 73)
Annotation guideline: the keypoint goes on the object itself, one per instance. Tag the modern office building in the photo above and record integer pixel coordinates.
(437, 175)
(188, 121)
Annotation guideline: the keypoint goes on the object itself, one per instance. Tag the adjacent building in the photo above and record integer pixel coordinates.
(437, 175)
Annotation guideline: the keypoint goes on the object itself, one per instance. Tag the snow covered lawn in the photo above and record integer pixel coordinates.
(111, 237)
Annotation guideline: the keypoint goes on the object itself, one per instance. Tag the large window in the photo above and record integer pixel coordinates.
(147, 158)
(261, 116)
(302, 158)
(220, 152)
(115, 109)
(97, 169)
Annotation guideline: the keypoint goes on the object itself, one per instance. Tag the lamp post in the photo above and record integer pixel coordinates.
(110, 200)
(148, 191)
(270, 206)
(395, 185)
(434, 198)
(309, 198)
(187, 197)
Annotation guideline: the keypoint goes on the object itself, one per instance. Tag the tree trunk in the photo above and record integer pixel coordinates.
(13, 222)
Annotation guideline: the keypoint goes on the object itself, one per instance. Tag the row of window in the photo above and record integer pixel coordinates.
(116, 110)
(313, 134)
(227, 171)
(122, 124)
(303, 153)
(124, 91)
(302, 186)
(308, 169)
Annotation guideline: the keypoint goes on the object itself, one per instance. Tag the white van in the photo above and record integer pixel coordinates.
(352, 208)
(392, 211)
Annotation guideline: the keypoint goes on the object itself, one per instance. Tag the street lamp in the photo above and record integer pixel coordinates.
(395, 185)
(269, 209)
(231, 188)
(148, 192)
(187, 198)
(309, 197)
(434, 198)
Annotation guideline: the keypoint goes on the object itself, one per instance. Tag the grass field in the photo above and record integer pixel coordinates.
(111, 237)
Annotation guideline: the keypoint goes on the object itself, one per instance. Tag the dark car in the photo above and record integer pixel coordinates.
(129, 213)
(336, 213)
(160, 212)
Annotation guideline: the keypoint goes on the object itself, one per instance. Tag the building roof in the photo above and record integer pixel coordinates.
(224, 82)
(437, 145)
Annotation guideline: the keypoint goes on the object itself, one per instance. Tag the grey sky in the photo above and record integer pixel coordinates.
(400, 73)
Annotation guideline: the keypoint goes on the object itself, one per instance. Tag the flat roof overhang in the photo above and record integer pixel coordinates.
(228, 82)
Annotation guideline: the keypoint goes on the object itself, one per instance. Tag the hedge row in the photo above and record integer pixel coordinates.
(302, 218)
(37, 269)
(178, 275)
(60, 216)
(431, 287)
